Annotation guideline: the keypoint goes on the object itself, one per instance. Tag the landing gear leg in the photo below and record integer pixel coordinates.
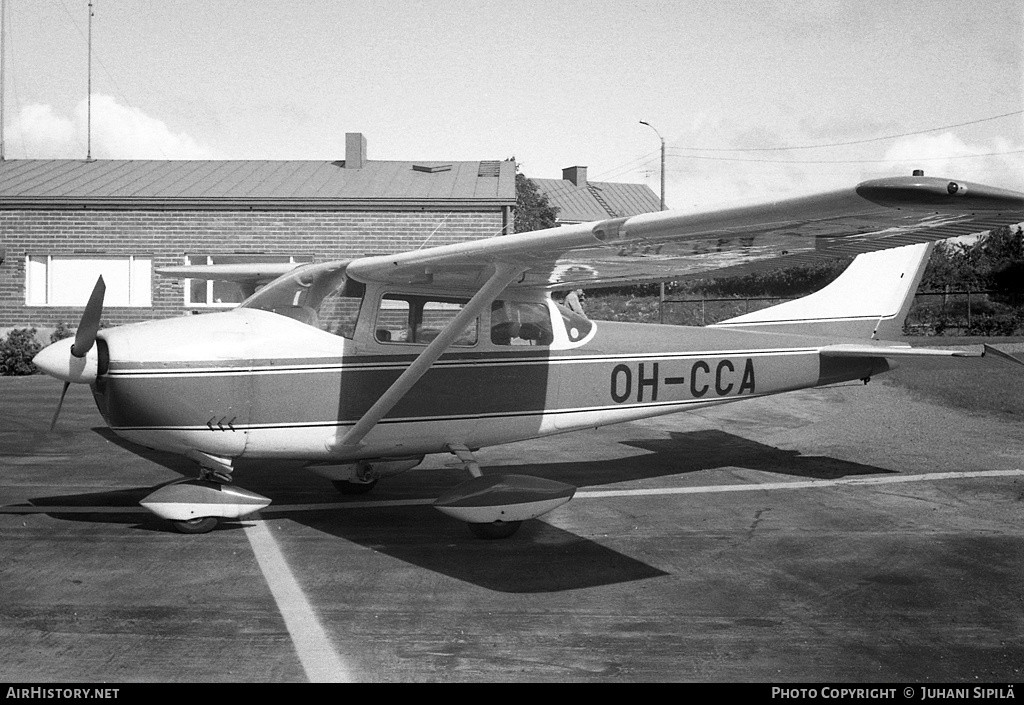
(365, 480)
(215, 471)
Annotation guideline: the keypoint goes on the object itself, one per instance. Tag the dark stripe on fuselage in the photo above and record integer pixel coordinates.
(299, 396)
(670, 367)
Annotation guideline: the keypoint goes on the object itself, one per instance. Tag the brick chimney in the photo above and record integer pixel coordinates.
(355, 150)
(576, 174)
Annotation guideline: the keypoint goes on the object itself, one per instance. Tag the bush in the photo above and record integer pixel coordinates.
(60, 332)
(1007, 324)
(17, 351)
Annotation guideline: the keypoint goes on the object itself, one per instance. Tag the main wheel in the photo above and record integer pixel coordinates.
(200, 525)
(348, 487)
(494, 530)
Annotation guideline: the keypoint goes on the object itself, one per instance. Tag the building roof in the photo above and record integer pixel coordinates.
(66, 183)
(580, 201)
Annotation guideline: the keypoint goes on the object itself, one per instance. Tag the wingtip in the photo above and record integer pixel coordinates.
(930, 191)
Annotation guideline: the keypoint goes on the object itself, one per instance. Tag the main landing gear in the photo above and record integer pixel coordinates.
(495, 506)
(197, 506)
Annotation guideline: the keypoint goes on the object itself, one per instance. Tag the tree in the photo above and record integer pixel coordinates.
(993, 262)
(533, 212)
(1004, 250)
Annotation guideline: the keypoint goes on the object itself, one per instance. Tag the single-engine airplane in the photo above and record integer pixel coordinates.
(360, 368)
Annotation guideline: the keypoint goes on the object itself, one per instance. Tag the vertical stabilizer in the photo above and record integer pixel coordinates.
(868, 300)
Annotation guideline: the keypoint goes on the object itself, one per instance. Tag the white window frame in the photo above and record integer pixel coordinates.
(40, 279)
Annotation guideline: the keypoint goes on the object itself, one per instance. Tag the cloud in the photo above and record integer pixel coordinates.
(998, 162)
(707, 179)
(118, 132)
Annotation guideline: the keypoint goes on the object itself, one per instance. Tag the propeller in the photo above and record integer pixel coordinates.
(60, 403)
(55, 361)
(85, 336)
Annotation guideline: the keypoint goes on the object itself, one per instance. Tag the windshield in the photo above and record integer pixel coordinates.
(319, 295)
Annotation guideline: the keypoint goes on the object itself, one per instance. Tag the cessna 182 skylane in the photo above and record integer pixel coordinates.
(360, 368)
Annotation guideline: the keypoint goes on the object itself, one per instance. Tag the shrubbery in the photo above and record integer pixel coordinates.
(17, 351)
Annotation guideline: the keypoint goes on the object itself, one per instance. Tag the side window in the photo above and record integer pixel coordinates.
(408, 318)
(516, 323)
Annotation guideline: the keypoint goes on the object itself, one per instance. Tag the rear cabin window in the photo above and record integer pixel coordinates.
(407, 318)
(516, 323)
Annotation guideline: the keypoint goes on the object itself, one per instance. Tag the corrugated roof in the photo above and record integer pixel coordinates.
(280, 184)
(597, 200)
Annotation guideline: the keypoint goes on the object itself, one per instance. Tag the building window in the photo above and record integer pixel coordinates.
(220, 293)
(68, 281)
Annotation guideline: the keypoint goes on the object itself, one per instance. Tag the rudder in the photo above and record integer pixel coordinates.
(870, 299)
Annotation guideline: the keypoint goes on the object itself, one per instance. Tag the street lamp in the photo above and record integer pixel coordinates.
(661, 288)
(642, 122)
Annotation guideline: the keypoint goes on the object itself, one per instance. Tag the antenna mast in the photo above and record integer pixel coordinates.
(3, 24)
(88, 111)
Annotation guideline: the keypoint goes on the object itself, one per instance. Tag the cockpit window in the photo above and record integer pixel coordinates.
(317, 295)
(520, 323)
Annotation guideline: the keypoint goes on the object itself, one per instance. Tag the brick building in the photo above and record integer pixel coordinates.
(64, 222)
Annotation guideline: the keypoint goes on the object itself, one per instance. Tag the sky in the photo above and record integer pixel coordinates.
(755, 100)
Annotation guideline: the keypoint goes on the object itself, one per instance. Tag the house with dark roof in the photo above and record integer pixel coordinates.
(65, 222)
(580, 201)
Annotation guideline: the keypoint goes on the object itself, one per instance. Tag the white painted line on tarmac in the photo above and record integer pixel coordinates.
(315, 650)
(581, 494)
(800, 484)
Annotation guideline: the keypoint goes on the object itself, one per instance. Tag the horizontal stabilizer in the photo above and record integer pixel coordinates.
(855, 350)
(987, 353)
(1001, 356)
(246, 271)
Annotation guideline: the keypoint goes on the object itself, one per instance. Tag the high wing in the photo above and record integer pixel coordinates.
(673, 245)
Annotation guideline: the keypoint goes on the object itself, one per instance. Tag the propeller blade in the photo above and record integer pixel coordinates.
(85, 336)
(60, 403)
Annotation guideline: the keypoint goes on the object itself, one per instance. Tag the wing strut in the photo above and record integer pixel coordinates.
(504, 275)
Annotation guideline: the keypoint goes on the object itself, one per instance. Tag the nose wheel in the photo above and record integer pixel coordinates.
(200, 525)
(197, 506)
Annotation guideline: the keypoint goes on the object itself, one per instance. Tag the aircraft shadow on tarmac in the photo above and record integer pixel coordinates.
(694, 451)
(539, 558)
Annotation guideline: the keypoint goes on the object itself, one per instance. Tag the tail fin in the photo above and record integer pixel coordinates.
(868, 300)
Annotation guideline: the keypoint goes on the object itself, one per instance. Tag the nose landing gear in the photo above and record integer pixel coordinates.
(197, 506)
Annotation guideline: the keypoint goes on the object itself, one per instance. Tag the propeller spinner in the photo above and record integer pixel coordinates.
(70, 360)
